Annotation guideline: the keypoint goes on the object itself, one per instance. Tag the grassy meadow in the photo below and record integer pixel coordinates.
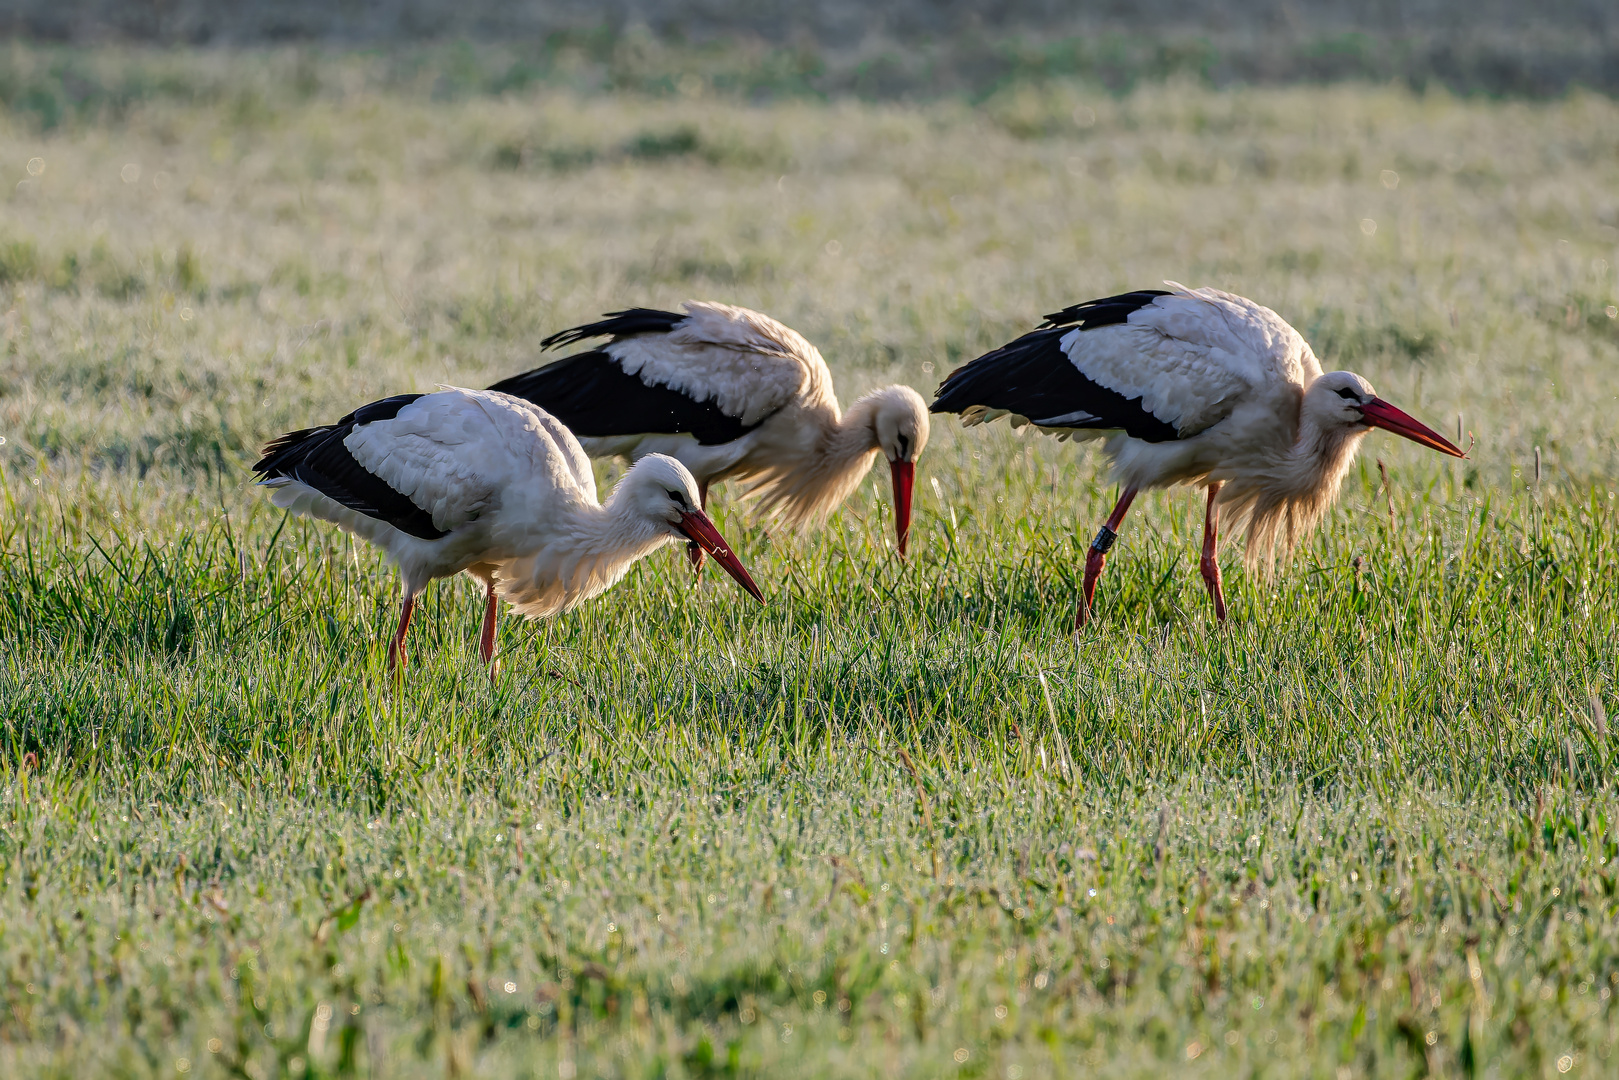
(899, 821)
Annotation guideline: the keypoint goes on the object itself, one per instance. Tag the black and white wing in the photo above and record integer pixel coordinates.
(1156, 365)
(425, 464)
(714, 373)
(319, 457)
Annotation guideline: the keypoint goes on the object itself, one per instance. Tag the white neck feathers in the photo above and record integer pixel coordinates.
(1284, 497)
(803, 492)
(584, 555)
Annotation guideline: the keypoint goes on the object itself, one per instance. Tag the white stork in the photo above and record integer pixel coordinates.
(1190, 386)
(731, 394)
(487, 483)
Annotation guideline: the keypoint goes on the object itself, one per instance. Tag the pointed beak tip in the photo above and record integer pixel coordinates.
(1380, 414)
(700, 528)
(904, 475)
(740, 573)
(1450, 448)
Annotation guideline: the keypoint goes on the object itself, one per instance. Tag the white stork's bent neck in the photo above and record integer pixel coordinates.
(1318, 462)
(1284, 493)
(851, 439)
(1286, 497)
(614, 530)
(805, 488)
(586, 554)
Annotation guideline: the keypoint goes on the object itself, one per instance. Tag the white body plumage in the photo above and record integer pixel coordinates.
(482, 482)
(733, 395)
(1189, 386)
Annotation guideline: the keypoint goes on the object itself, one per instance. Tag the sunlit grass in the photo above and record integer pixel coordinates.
(900, 820)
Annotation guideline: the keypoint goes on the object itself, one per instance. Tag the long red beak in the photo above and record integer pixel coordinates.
(1381, 414)
(904, 476)
(700, 530)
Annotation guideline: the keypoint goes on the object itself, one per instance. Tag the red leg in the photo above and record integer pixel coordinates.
(486, 639)
(1210, 564)
(694, 551)
(396, 649)
(1096, 558)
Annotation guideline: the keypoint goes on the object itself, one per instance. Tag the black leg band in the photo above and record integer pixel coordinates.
(1104, 540)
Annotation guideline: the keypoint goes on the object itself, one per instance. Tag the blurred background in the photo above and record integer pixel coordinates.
(224, 219)
(909, 46)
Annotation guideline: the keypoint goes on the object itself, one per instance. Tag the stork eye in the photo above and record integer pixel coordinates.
(1349, 394)
(904, 445)
(680, 499)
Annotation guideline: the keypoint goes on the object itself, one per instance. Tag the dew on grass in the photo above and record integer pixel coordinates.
(799, 777)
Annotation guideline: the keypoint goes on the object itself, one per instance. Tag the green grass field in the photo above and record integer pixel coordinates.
(899, 821)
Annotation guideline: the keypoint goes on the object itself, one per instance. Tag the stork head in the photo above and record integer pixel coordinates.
(662, 491)
(1342, 399)
(899, 427)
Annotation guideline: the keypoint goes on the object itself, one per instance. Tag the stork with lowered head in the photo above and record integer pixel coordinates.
(1189, 386)
(485, 483)
(733, 395)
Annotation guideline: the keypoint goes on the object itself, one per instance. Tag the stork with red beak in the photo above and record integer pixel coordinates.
(732, 395)
(1189, 386)
(474, 481)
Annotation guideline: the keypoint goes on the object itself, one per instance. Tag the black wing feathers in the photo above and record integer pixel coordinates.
(618, 324)
(317, 457)
(1033, 377)
(1108, 311)
(594, 396)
